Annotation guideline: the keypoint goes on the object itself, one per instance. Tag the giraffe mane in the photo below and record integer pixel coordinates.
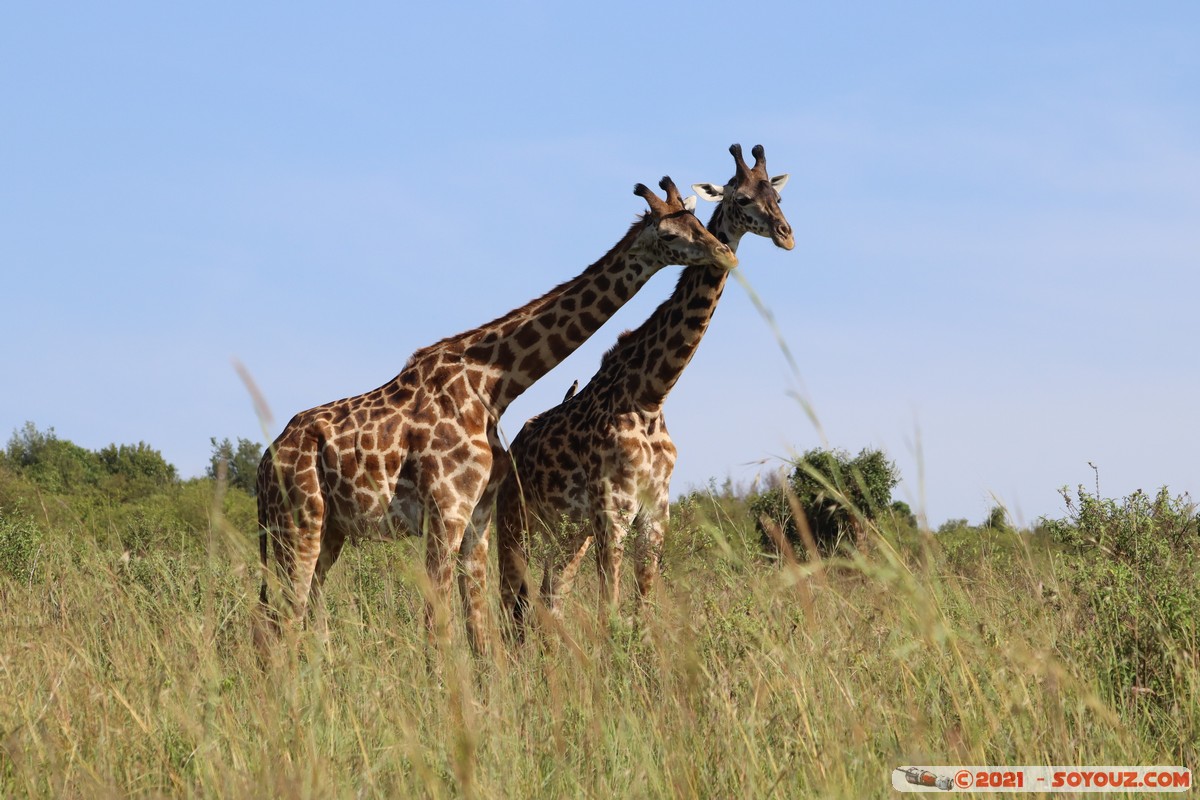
(611, 355)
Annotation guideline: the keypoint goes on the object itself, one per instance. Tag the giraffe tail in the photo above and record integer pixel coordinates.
(265, 623)
(262, 559)
(263, 535)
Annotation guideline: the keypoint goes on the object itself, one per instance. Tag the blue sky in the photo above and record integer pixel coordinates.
(997, 214)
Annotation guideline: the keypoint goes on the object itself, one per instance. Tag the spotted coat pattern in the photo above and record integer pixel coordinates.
(600, 463)
(417, 455)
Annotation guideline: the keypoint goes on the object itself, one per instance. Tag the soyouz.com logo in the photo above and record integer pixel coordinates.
(1041, 779)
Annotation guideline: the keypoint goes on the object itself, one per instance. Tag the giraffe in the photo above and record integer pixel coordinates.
(601, 461)
(417, 455)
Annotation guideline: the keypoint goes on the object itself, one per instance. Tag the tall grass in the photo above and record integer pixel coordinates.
(133, 674)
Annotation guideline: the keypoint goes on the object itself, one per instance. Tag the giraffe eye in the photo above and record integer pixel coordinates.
(743, 201)
(669, 237)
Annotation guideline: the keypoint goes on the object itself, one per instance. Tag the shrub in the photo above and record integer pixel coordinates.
(151, 527)
(835, 493)
(903, 514)
(1135, 568)
(20, 547)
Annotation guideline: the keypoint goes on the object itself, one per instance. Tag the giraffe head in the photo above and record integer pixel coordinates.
(751, 198)
(671, 234)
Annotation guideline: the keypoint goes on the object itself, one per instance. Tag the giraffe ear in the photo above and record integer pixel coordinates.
(689, 203)
(779, 181)
(709, 192)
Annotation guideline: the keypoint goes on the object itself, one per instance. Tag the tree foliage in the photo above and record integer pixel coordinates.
(138, 462)
(240, 460)
(127, 494)
(834, 492)
(60, 465)
(52, 463)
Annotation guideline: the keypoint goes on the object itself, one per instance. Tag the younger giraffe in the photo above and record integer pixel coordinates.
(415, 455)
(602, 460)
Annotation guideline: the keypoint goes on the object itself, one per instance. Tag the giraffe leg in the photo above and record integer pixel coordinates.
(472, 584)
(651, 526)
(297, 545)
(513, 558)
(565, 575)
(294, 518)
(472, 578)
(452, 506)
(611, 529)
(609, 572)
(331, 548)
(276, 534)
(265, 622)
(307, 552)
(441, 548)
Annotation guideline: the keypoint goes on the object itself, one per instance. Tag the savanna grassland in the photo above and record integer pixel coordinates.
(127, 668)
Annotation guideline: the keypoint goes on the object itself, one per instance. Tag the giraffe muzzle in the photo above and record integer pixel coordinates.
(782, 236)
(725, 257)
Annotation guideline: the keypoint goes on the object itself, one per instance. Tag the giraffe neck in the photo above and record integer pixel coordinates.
(649, 360)
(512, 352)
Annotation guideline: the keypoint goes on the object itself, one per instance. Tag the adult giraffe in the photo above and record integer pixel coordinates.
(415, 455)
(601, 461)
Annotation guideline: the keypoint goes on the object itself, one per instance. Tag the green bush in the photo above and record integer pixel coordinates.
(1134, 565)
(149, 528)
(835, 493)
(20, 547)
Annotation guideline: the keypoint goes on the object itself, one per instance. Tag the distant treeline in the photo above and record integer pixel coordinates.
(128, 492)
